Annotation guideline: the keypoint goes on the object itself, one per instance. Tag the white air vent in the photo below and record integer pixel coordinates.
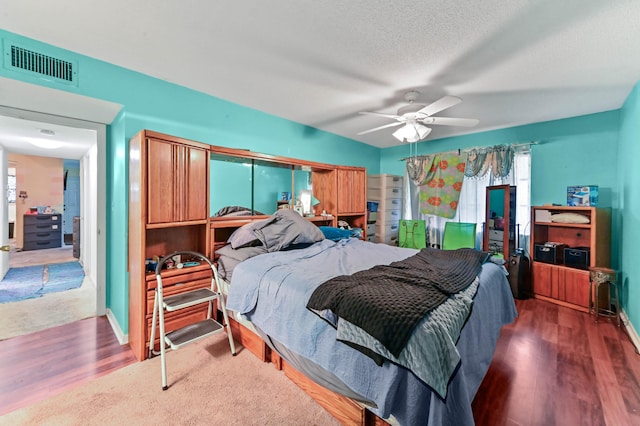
(22, 59)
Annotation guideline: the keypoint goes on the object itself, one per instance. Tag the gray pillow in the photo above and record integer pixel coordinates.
(244, 236)
(288, 228)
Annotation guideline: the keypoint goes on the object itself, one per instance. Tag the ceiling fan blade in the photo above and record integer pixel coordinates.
(380, 114)
(439, 105)
(447, 121)
(380, 128)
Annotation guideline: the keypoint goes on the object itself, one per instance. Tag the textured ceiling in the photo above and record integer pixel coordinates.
(321, 62)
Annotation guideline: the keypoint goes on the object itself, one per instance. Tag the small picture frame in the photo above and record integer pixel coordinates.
(285, 196)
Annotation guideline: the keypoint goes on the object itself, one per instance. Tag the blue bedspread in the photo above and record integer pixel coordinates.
(282, 283)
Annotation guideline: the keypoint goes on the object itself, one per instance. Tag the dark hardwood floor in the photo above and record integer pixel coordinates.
(42, 364)
(553, 366)
(556, 366)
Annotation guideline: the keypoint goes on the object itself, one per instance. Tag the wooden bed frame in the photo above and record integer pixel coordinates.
(345, 410)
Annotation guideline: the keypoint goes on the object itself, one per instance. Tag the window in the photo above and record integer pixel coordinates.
(472, 202)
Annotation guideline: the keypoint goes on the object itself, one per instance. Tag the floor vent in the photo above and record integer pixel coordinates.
(21, 59)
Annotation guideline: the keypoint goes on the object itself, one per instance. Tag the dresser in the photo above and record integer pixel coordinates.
(41, 231)
(386, 190)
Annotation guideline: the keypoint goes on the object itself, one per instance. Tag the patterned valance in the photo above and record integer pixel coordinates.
(498, 159)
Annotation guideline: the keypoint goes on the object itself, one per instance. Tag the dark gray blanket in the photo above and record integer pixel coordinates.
(388, 301)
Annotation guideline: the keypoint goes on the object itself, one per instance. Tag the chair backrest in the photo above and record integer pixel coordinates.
(412, 234)
(459, 235)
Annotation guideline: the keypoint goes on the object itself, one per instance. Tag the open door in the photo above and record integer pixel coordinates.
(4, 215)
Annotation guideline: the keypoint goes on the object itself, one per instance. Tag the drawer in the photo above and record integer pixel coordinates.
(391, 240)
(383, 231)
(36, 219)
(371, 229)
(41, 227)
(378, 194)
(185, 276)
(384, 181)
(41, 236)
(390, 204)
(386, 217)
(39, 245)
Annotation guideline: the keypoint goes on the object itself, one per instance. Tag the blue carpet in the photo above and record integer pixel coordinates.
(21, 283)
(28, 282)
(63, 276)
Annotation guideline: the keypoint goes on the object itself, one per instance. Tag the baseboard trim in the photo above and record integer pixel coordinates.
(123, 339)
(633, 335)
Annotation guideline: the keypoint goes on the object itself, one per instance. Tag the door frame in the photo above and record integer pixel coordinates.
(93, 197)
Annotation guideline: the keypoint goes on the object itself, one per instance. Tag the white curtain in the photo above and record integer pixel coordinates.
(472, 203)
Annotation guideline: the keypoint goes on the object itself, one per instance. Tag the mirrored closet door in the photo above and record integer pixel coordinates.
(500, 222)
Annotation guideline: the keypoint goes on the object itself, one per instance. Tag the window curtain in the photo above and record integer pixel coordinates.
(472, 201)
(438, 178)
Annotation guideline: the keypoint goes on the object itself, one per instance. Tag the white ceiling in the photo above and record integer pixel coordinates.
(322, 62)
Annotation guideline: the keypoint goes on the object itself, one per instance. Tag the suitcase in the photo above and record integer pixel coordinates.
(519, 275)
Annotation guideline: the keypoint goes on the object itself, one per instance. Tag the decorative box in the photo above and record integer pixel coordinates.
(582, 195)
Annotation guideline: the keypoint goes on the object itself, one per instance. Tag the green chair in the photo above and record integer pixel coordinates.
(459, 235)
(412, 234)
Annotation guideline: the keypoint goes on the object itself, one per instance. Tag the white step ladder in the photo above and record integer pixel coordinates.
(193, 332)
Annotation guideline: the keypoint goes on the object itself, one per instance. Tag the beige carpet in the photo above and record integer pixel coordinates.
(207, 386)
(50, 310)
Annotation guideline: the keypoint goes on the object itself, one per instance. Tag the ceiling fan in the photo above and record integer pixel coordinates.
(415, 117)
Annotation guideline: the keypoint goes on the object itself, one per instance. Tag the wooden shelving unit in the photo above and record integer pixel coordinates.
(559, 283)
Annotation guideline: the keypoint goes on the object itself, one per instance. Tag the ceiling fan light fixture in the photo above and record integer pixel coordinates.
(411, 132)
(399, 134)
(423, 131)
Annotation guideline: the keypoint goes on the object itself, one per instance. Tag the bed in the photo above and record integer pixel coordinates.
(272, 286)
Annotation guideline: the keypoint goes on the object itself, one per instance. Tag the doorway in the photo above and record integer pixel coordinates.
(59, 308)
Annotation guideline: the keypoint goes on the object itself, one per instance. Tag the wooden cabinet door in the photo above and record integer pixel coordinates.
(576, 287)
(351, 191)
(161, 172)
(542, 279)
(177, 182)
(194, 186)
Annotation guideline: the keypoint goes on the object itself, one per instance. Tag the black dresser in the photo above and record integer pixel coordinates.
(42, 231)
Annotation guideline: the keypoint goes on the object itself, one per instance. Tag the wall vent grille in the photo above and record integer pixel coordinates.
(22, 59)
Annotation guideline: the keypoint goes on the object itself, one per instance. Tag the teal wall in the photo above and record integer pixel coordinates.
(150, 103)
(628, 182)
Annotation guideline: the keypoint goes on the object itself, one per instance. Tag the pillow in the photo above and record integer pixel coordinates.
(244, 236)
(286, 228)
(569, 218)
(335, 234)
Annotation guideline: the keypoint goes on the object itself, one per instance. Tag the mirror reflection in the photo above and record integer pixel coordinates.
(499, 238)
(242, 186)
(495, 220)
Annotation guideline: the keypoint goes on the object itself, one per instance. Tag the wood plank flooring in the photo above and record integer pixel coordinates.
(553, 366)
(556, 366)
(42, 364)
